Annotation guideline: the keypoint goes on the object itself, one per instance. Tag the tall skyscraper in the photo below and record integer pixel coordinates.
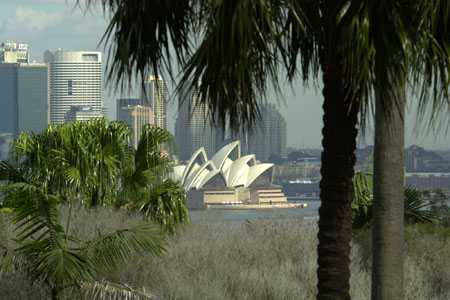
(32, 97)
(23, 97)
(81, 113)
(156, 94)
(14, 52)
(136, 113)
(269, 134)
(122, 103)
(75, 79)
(193, 127)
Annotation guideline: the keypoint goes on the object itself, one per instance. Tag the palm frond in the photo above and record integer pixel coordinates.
(101, 290)
(302, 39)
(165, 204)
(431, 63)
(362, 202)
(108, 251)
(52, 261)
(10, 173)
(237, 59)
(417, 210)
(142, 34)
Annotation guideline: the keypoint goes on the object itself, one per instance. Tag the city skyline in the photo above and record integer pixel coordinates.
(136, 113)
(44, 24)
(193, 127)
(75, 79)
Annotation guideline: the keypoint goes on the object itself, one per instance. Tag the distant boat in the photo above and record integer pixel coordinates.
(303, 181)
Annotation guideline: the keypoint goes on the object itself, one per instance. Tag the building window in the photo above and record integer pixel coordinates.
(69, 87)
(90, 57)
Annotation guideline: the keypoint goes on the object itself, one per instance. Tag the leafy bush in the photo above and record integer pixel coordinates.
(60, 256)
(417, 209)
(93, 163)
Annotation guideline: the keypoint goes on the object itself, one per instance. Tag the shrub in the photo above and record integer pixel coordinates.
(253, 260)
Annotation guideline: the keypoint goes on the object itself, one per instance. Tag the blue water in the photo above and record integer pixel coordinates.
(213, 215)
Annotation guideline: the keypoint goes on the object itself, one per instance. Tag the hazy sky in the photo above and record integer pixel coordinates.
(51, 24)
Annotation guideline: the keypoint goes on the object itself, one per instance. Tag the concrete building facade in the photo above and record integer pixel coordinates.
(75, 79)
(156, 94)
(269, 135)
(14, 52)
(81, 113)
(136, 116)
(193, 127)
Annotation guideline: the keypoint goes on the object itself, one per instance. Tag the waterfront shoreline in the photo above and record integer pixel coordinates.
(256, 206)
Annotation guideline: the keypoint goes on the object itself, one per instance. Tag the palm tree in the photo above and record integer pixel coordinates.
(408, 39)
(147, 186)
(92, 163)
(49, 253)
(81, 159)
(417, 209)
(240, 43)
(239, 50)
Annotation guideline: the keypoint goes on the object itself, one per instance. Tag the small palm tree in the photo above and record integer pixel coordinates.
(47, 251)
(93, 163)
(417, 209)
(87, 164)
(146, 183)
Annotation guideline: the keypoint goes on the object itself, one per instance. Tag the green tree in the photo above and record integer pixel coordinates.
(417, 209)
(409, 41)
(49, 253)
(147, 186)
(88, 164)
(239, 46)
(92, 163)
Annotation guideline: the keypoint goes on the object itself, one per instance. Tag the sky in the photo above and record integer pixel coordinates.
(52, 24)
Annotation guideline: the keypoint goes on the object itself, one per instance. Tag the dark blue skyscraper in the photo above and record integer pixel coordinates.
(23, 98)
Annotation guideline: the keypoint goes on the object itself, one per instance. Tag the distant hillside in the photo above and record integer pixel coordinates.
(417, 159)
(445, 154)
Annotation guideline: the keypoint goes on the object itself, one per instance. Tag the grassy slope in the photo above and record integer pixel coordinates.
(251, 261)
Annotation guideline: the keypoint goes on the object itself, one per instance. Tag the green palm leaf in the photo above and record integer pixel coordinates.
(108, 251)
(108, 290)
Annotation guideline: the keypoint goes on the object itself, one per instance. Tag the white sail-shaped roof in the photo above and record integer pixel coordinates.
(200, 154)
(257, 171)
(204, 170)
(239, 170)
(221, 170)
(223, 154)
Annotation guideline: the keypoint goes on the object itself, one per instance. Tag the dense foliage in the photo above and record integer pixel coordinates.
(419, 208)
(86, 165)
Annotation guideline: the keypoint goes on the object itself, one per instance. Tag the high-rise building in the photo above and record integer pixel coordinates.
(75, 79)
(14, 52)
(24, 98)
(81, 113)
(193, 127)
(121, 114)
(156, 94)
(269, 134)
(136, 113)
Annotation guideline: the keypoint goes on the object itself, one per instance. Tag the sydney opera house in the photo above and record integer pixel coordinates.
(228, 179)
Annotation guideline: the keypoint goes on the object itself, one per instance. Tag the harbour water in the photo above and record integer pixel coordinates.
(213, 215)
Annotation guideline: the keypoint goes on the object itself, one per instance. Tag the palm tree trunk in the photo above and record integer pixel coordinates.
(388, 235)
(54, 294)
(338, 160)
